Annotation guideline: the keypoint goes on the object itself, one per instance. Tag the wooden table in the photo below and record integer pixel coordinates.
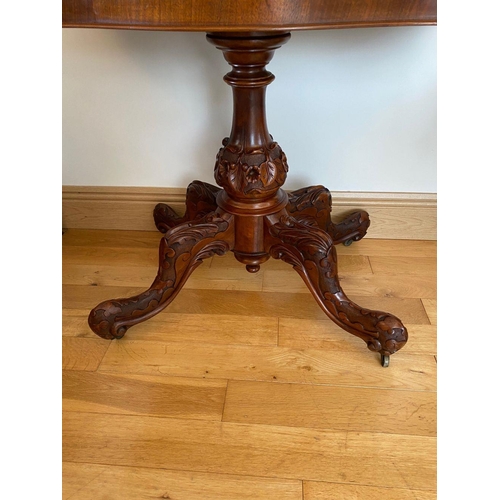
(250, 214)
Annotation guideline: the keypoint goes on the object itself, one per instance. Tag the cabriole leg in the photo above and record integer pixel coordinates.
(313, 205)
(312, 254)
(200, 201)
(182, 250)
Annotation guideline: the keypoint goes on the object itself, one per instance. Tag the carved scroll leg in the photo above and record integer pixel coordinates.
(312, 206)
(181, 250)
(200, 201)
(352, 228)
(312, 254)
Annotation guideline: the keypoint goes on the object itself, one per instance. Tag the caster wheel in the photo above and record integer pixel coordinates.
(348, 243)
(385, 360)
(121, 332)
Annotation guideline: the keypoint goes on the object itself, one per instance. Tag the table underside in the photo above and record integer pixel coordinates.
(250, 15)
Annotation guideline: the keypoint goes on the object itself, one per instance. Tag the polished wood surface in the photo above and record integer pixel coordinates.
(250, 15)
(244, 394)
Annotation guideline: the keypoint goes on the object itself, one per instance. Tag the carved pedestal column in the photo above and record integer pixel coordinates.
(252, 216)
(250, 166)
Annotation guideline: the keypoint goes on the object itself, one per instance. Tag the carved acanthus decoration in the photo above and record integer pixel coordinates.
(312, 206)
(312, 253)
(250, 173)
(201, 199)
(181, 251)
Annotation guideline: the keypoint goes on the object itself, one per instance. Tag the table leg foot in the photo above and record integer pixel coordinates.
(182, 250)
(352, 228)
(312, 206)
(200, 201)
(311, 252)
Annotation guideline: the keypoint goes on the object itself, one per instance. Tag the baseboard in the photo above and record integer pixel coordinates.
(410, 216)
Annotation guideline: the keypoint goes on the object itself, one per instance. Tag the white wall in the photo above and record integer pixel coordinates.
(354, 109)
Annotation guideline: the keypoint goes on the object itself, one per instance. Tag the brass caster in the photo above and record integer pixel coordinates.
(385, 360)
(348, 243)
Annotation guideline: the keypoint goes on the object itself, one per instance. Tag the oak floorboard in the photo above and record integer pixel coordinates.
(265, 304)
(304, 404)
(332, 491)
(390, 248)
(202, 278)
(106, 482)
(76, 476)
(83, 353)
(274, 364)
(111, 238)
(143, 395)
(406, 266)
(334, 408)
(109, 256)
(430, 306)
(348, 264)
(323, 334)
(150, 239)
(178, 327)
(370, 285)
(250, 450)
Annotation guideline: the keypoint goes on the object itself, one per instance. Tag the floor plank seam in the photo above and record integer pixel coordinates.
(425, 311)
(224, 404)
(257, 413)
(84, 486)
(282, 478)
(251, 424)
(370, 262)
(103, 356)
(124, 372)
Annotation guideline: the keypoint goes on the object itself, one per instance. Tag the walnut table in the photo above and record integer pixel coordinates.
(250, 214)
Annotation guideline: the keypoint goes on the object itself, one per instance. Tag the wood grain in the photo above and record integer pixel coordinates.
(143, 420)
(350, 264)
(331, 491)
(191, 301)
(196, 328)
(430, 306)
(422, 266)
(322, 334)
(110, 256)
(105, 482)
(95, 239)
(254, 15)
(367, 284)
(143, 395)
(263, 363)
(83, 353)
(390, 248)
(76, 476)
(202, 278)
(335, 408)
(269, 451)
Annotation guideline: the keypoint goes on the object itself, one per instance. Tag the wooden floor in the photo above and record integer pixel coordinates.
(242, 388)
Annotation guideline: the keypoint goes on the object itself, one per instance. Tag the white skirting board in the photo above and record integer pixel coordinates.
(409, 216)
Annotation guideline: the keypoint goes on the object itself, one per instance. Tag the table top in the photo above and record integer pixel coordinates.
(246, 15)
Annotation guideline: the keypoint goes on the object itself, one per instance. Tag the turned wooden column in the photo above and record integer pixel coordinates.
(250, 167)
